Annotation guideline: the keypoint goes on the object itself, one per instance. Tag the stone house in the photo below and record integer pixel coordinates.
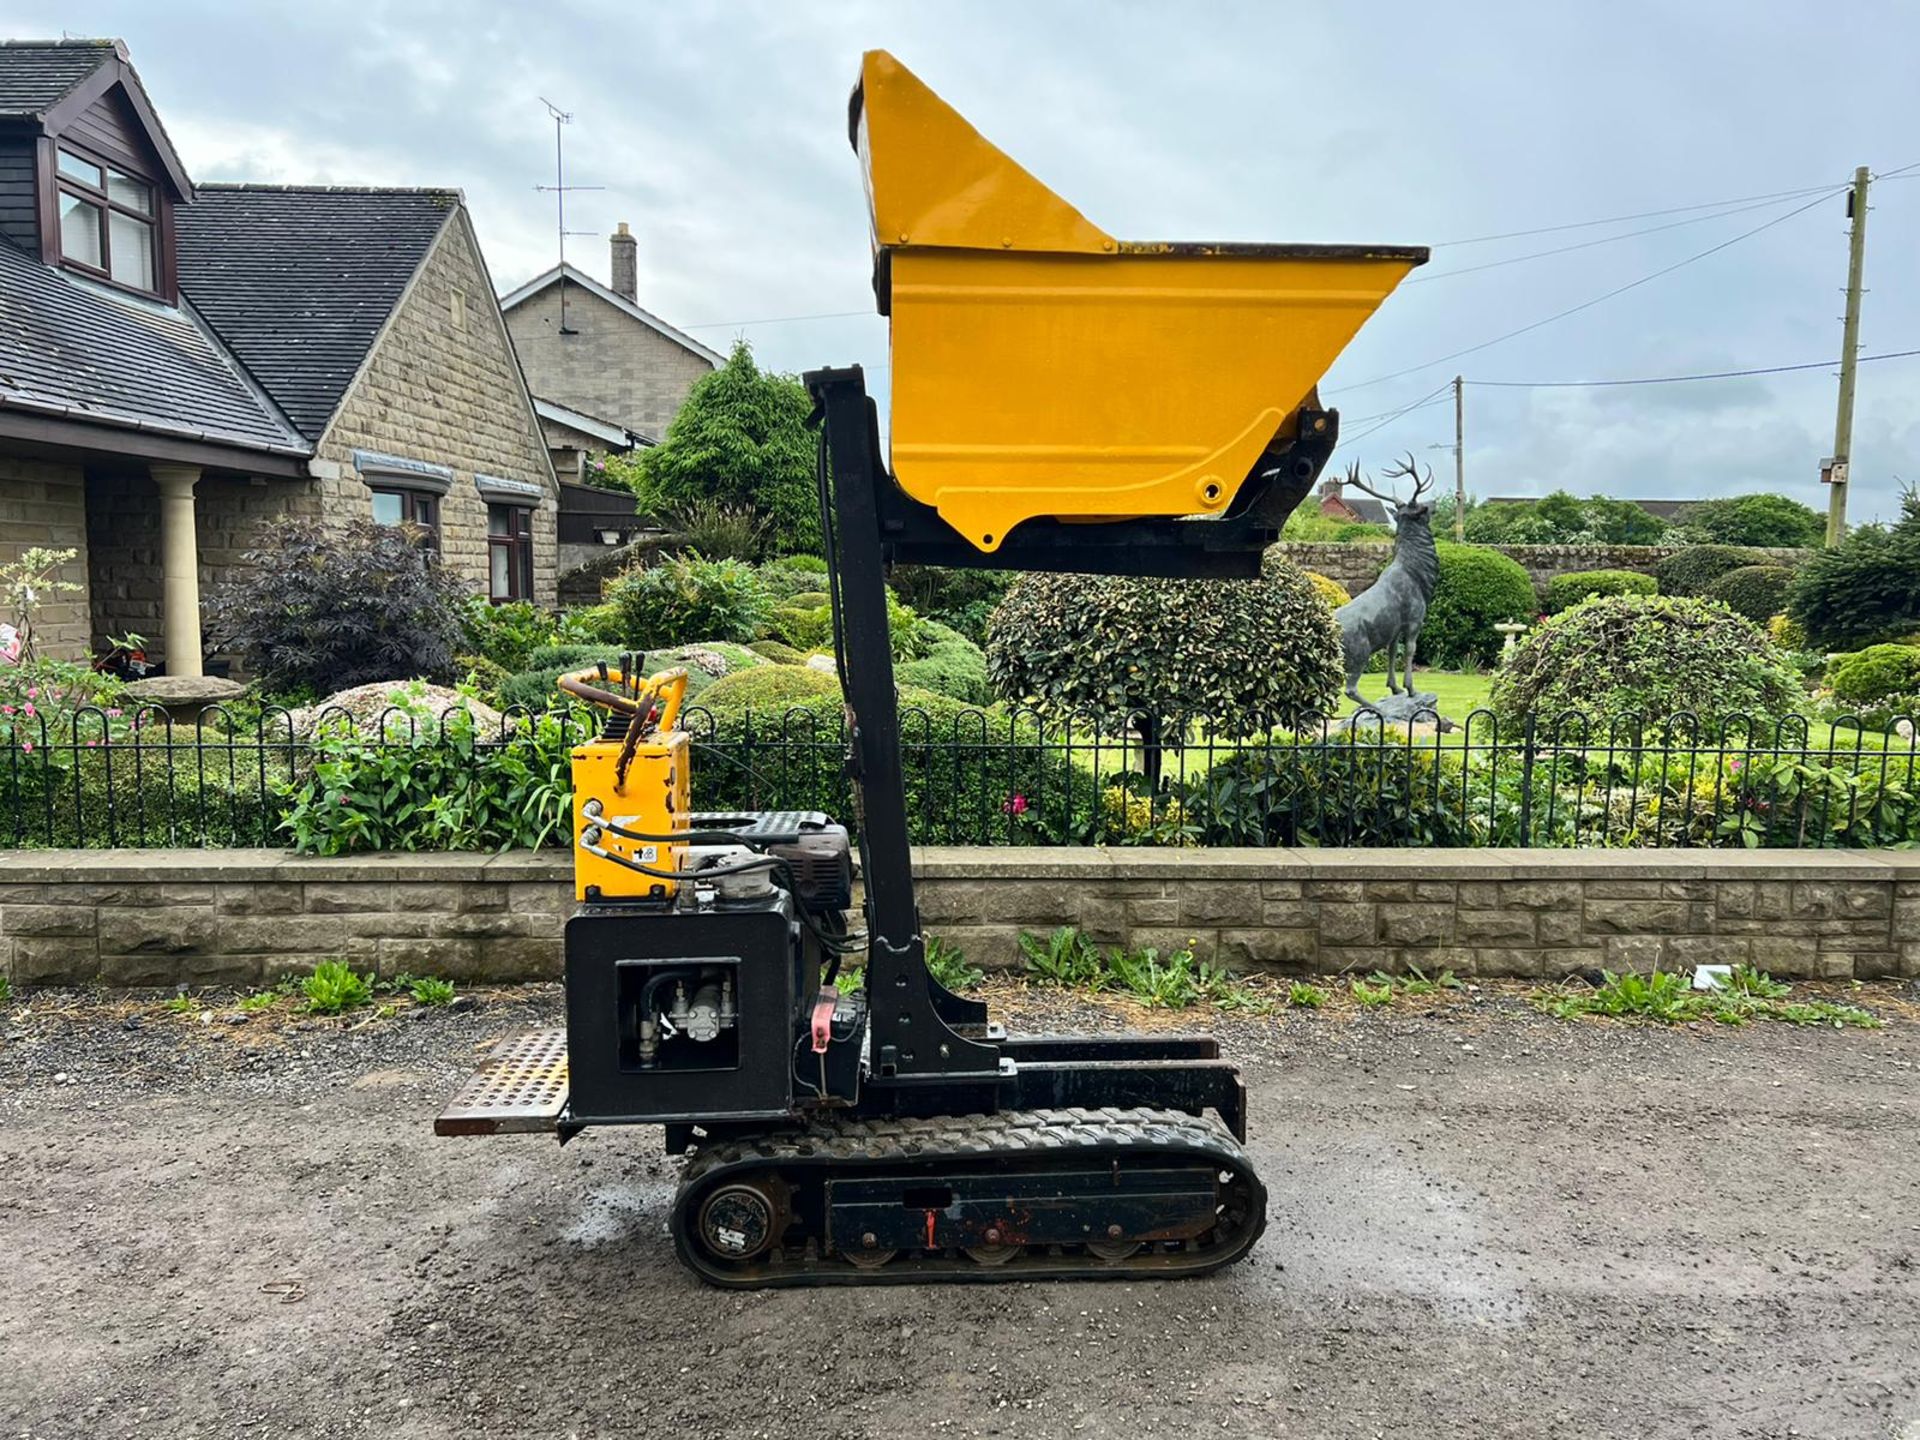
(181, 363)
(601, 368)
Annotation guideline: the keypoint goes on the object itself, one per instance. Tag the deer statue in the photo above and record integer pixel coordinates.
(1388, 615)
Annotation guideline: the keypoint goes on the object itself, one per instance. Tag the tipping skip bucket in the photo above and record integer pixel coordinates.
(1042, 367)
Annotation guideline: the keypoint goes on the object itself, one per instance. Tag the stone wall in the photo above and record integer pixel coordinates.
(613, 366)
(43, 505)
(441, 386)
(238, 917)
(1358, 565)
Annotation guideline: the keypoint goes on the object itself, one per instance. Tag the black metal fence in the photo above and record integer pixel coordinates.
(335, 783)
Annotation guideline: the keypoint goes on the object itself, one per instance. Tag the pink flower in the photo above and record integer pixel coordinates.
(33, 692)
(114, 714)
(6, 709)
(92, 743)
(27, 746)
(1016, 805)
(28, 709)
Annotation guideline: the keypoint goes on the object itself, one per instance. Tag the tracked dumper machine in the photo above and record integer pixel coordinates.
(1062, 400)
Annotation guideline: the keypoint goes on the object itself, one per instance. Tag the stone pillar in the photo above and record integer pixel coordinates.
(626, 262)
(180, 568)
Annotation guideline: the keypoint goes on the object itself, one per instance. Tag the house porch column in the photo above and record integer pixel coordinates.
(179, 568)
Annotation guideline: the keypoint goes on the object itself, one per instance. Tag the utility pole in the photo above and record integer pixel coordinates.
(1459, 460)
(1838, 466)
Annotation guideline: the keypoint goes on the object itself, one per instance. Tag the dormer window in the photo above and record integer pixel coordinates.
(107, 222)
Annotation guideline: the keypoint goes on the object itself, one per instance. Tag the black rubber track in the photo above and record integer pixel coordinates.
(948, 1145)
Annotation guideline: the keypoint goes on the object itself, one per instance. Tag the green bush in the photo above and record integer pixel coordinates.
(740, 439)
(505, 634)
(773, 739)
(962, 600)
(778, 653)
(589, 625)
(1245, 656)
(1862, 591)
(1337, 794)
(451, 792)
(952, 666)
(1758, 592)
(1478, 589)
(685, 598)
(1876, 674)
(802, 629)
(793, 575)
(716, 530)
(1634, 661)
(1566, 591)
(571, 656)
(1769, 520)
(1691, 570)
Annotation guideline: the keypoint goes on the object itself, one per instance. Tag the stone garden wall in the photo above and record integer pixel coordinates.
(243, 916)
(1356, 566)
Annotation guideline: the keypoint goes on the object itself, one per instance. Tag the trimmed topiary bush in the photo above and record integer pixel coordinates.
(778, 653)
(952, 665)
(1876, 674)
(792, 575)
(1692, 570)
(1631, 662)
(1566, 591)
(1758, 592)
(1245, 656)
(773, 739)
(1478, 589)
(1329, 589)
(685, 597)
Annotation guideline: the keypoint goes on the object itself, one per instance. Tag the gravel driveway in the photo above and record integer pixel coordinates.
(1485, 1223)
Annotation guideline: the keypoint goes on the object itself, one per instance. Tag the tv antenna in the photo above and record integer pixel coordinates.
(560, 188)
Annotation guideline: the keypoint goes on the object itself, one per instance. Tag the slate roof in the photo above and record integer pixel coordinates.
(34, 74)
(298, 280)
(73, 349)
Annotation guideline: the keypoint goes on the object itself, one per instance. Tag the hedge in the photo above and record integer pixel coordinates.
(1566, 591)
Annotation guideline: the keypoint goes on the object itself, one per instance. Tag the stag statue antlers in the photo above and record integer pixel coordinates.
(1388, 615)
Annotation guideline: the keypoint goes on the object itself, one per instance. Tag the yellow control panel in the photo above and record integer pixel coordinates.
(636, 782)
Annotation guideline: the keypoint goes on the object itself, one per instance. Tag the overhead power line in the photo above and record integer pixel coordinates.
(1642, 215)
(1679, 379)
(1598, 299)
(777, 320)
(1589, 244)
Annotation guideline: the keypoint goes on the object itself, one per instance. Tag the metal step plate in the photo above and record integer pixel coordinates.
(521, 1089)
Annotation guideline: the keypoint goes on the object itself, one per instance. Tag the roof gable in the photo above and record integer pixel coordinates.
(619, 302)
(299, 281)
(54, 83)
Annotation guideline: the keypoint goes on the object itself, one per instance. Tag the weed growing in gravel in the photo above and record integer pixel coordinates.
(1373, 997)
(1175, 981)
(6, 991)
(1306, 996)
(183, 1005)
(334, 987)
(258, 1000)
(947, 963)
(1669, 998)
(1065, 958)
(429, 991)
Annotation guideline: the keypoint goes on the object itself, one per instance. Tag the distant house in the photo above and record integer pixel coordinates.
(1335, 504)
(180, 364)
(596, 361)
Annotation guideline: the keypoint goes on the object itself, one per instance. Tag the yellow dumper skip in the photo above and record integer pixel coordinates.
(1042, 367)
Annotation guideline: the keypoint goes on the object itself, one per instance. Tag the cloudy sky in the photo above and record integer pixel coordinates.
(718, 133)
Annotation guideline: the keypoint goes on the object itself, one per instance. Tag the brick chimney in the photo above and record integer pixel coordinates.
(625, 263)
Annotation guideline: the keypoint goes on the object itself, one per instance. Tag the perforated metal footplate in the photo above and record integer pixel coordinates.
(521, 1088)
